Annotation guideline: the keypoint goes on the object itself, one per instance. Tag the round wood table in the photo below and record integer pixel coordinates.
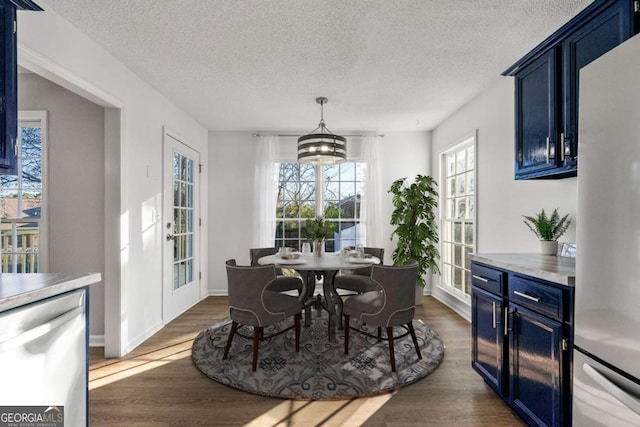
(309, 266)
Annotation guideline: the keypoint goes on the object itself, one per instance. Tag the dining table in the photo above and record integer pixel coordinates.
(310, 266)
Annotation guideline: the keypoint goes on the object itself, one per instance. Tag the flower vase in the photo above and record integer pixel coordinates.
(318, 247)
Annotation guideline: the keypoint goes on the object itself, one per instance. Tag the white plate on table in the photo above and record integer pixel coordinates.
(355, 260)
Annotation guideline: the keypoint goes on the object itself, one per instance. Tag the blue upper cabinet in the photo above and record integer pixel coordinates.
(537, 115)
(8, 82)
(547, 83)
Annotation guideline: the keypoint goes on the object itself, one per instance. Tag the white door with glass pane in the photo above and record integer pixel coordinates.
(181, 228)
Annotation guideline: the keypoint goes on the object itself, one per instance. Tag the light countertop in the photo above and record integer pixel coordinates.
(19, 289)
(556, 269)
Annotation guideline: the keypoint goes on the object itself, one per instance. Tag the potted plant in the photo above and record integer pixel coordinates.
(415, 224)
(548, 229)
(318, 229)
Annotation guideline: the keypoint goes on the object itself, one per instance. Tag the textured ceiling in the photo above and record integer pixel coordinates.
(259, 65)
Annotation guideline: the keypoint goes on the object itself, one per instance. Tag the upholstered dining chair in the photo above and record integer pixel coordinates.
(253, 303)
(284, 283)
(287, 283)
(359, 280)
(391, 304)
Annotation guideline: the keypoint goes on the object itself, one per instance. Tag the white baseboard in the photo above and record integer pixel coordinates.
(218, 293)
(456, 304)
(131, 345)
(96, 340)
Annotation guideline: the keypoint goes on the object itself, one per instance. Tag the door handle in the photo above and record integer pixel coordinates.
(548, 148)
(170, 237)
(628, 400)
(494, 314)
(506, 322)
(27, 336)
(529, 297)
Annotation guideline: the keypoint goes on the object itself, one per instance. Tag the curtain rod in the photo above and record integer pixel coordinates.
(381, 135)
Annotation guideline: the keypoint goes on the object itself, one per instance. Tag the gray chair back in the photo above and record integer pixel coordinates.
(398, 285)
(247, 287)
(256, 253)
(376, 252)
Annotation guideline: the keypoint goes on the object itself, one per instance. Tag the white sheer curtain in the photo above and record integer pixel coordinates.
(371, 209)
(265, 195)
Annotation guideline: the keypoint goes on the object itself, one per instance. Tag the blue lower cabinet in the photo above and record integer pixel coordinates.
(522, 342)
(488, 352)
(535, 369)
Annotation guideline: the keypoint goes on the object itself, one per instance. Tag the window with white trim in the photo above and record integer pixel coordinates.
(339, 202)
(22, 199)
(458, 216)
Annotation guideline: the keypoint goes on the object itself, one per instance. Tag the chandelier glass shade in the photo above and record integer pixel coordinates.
(321, 147)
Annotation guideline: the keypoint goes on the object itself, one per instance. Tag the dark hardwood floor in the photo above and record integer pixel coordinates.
(158, 385)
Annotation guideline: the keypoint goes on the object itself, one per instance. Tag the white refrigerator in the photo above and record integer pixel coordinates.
(606, 364)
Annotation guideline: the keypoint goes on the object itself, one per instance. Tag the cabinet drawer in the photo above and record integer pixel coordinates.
(488, 278)
(540, 297)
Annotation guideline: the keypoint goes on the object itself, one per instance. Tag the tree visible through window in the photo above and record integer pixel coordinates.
(22, 202)
(458, 216)
(339, 202)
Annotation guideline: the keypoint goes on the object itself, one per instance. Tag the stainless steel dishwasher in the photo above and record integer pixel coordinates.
(43, 356)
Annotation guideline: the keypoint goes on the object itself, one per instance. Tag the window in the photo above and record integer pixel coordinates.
(183, 207)
(22, 197)
(458, 216)
(339, 202)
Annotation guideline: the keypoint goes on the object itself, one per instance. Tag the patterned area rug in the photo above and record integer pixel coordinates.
(321, 370)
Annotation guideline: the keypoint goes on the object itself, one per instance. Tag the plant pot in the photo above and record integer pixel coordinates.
(548, 247)
(419, 294)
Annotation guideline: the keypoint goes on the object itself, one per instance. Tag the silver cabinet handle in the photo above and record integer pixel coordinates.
(494, 314)
(529, 297)
(548, 148)
(628, 400)
(40, 330)
(506, 321)
(562, 147)
(482, 279)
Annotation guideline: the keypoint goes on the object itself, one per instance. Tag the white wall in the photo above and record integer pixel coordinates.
(75, 197)
(231, 164)
(501, 200)
(404, 154)
(49, 45)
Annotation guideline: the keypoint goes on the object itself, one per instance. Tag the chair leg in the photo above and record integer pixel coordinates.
(257, 333)
(346, 334)
(415, 339)
(392, 355)
(379, 334)
(232, 332)
(307, 310)
(307, 315)
(297, 318)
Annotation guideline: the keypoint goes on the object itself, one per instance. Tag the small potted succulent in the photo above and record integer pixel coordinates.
(318, 229)
(548, 229)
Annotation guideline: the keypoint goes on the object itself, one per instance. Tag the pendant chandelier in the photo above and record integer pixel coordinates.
(321, 147)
